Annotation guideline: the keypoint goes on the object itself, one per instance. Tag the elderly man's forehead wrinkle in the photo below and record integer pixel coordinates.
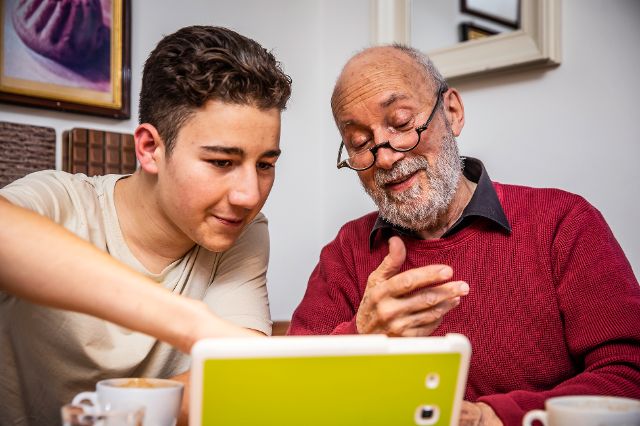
(363, 89)
(370, 73)
(357, 93)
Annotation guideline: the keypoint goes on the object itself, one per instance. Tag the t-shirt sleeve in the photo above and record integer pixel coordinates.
(43, 192)
(238, 292)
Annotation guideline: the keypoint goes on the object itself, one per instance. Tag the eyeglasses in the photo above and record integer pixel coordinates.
(364, 157)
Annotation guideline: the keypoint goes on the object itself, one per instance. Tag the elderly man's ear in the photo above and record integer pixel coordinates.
(149, 147)
(454, 110)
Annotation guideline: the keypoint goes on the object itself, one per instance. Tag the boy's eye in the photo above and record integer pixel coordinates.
(265, 166)
(220, 163)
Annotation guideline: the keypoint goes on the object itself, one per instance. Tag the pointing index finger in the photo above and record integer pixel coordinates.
(413, 279)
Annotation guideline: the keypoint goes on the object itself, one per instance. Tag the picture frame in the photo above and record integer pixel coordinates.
(536, 44)
(49, 63)
(471, 31)
(489, 13)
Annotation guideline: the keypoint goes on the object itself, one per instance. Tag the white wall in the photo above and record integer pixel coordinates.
(573, 127)
(576, 127)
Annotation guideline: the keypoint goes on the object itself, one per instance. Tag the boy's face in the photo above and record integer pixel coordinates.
(220, 172)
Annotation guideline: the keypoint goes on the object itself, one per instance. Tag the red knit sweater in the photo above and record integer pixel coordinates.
(553, 309)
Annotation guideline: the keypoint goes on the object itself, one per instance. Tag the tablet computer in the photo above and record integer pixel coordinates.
(328, 381)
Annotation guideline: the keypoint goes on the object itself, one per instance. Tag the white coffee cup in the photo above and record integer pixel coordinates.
(160, 398)
(586, 411)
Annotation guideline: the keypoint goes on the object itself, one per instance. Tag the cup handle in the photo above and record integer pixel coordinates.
(533, 415)
(80, 399)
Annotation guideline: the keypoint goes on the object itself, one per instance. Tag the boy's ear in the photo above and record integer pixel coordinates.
(149, 147)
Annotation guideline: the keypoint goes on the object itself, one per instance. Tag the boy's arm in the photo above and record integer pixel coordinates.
(184, 378)
(44, 263)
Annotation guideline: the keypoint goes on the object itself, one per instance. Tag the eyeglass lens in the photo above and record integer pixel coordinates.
(400, 142)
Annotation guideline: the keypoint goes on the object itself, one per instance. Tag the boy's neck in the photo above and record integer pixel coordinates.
(152, 238)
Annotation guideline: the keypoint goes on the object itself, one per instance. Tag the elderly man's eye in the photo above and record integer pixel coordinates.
(359, 145)
(403, 126)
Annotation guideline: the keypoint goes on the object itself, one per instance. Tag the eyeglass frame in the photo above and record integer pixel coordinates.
(387, 144)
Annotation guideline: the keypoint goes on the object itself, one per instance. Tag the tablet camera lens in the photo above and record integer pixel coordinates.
(427, 415)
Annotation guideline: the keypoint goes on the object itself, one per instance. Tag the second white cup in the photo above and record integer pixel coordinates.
(161, 398)
(586, 411)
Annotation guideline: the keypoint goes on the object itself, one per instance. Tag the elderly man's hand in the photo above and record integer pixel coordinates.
(411, 303)
(478, 414)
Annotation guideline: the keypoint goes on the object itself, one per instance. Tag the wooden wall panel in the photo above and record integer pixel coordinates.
(25, 149)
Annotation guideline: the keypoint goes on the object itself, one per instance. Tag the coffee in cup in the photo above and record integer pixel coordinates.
(141, 382)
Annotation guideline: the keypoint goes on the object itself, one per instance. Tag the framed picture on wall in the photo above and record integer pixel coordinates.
(470, 31)
(504, 12)
(69, 56)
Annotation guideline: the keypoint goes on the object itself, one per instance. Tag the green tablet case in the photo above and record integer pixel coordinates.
(392, 386)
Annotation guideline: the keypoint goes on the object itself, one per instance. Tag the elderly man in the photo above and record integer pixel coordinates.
(533, 277)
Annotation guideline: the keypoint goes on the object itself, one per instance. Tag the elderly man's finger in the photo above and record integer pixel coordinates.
(422, 323)
(392, 262)
(391, 308)
(470, 414)
(422, 331)
(432, 296)
(413, 279)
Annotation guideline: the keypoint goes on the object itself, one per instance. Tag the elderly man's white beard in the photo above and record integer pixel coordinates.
(419, 208)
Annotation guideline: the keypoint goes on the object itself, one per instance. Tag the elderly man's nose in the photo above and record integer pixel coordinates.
(386, 157)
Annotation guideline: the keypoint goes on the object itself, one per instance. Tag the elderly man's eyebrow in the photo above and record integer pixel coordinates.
(392, 98)
(386, 102)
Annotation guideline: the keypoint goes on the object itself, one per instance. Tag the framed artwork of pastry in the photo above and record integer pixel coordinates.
(68, 55)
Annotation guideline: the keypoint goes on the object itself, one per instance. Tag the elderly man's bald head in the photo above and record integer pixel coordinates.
(383, 64)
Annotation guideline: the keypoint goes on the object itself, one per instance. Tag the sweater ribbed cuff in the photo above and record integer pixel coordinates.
(346, 328)
(505, 408)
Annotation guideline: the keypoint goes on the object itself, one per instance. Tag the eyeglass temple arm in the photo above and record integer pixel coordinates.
(341, 163)
(441, 92)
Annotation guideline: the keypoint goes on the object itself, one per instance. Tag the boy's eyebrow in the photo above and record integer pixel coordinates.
(272, 153)
(223, 150)
(237, 151)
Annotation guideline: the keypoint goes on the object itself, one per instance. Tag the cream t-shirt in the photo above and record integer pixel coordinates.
(49, 355)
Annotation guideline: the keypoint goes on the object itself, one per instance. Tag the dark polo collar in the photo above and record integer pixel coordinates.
(483, 204)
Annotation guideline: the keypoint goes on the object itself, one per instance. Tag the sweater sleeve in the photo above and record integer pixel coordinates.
(332, 297)
(599, 298)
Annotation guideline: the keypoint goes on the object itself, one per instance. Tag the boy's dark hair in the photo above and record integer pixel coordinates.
(201, 63)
